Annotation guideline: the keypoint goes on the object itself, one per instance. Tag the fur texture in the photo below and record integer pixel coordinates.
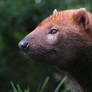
(65, 39)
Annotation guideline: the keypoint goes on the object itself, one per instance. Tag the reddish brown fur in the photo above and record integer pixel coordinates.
(70, 48)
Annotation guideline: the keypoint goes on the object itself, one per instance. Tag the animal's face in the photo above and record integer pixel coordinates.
(56, 39)
(41, 44)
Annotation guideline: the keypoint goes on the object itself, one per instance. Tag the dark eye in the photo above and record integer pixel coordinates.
(53, 31)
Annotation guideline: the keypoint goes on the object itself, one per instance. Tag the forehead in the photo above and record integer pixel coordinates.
(60, 18)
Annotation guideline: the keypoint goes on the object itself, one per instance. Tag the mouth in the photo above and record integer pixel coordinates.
(42, 52)
(42, 55)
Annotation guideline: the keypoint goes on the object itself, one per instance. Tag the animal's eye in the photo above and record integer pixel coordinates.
(53, 31)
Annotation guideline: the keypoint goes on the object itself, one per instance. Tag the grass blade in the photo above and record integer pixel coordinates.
(14, 88)
(27, 90)
(19, 88)
(44, 84)
(60, 84)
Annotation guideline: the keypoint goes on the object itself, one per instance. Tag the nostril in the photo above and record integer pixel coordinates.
(23, 45)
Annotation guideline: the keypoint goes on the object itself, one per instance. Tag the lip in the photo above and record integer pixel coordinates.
(43, 52)
(46, 57)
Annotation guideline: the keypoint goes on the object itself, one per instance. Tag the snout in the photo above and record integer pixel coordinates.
(24, 45)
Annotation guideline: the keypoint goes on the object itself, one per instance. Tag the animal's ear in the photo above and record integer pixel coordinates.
(55, 11)
(81, 17)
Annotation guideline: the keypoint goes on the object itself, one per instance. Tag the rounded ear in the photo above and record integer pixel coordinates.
(81, 16)
(55, 11)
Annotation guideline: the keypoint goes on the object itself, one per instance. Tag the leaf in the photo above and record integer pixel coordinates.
(60, 84)
(27, 90)
(44, 84)
(14, 88)
(19, 88)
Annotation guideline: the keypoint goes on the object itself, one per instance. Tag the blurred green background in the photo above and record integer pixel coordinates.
(17, 19)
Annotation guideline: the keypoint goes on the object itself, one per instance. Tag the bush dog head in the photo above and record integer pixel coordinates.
(62, 39)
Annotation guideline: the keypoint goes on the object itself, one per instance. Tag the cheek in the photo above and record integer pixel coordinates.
(52, 39)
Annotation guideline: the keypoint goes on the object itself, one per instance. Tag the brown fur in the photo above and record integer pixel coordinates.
(70, 49)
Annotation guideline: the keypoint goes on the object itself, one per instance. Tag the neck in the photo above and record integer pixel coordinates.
(81, 70)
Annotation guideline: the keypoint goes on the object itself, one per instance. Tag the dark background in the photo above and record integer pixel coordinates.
(17, 19)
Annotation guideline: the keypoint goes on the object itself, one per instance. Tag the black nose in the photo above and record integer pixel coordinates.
(24, 45)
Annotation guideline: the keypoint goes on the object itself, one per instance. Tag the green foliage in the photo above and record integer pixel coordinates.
(60, 84)
(19, 89)
(44, 84)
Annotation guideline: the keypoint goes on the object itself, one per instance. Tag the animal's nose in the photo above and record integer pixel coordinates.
(24, 45)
